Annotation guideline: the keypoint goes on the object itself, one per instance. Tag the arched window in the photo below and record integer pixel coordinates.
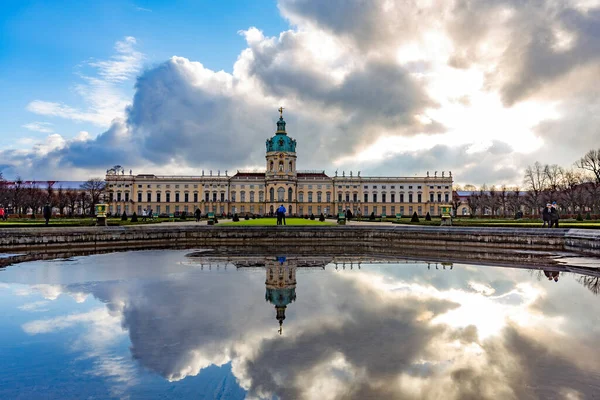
(280, 194)
(300, 197)
(271, 166)
(252, 197)
(242, 196)
(261, 196)
(290, 167)
(290, 193)
(232, 196)
(310, 197)
(271, 194)
(319, 199)
(280, 166)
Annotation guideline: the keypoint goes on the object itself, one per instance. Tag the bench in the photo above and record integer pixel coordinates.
(383, 217)
(341, 219)
(398, 217)
(211, 218)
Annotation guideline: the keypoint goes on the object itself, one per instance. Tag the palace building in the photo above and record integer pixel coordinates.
(301, 192)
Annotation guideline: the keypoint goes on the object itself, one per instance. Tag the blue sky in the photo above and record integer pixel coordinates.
(44, 46)
(385, 88)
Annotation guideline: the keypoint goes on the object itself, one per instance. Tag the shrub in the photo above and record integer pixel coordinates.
(579, 217)
(415, 217)
(372, 216)
(306, 217)
(124, 216)
(428, 217)
(246, 217)
(322, 218)
(183, 216)
(134, 217)
(588, 217)
(312, 217)
(236, 218)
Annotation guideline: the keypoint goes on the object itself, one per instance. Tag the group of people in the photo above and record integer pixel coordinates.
(550, 216)
(146, 213)
(281, 215)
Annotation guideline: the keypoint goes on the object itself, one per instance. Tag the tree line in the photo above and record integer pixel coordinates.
(575, 189)
(23, 198)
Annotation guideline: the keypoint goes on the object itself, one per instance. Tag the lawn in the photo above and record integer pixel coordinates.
(273, 222)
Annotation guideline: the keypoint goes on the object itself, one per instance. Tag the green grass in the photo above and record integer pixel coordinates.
(273, 222)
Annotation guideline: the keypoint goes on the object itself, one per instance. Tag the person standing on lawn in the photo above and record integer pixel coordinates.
(546, 216)
(281, 215)
(47, 212)
(197, 214)
(2, 214)
(554, 217)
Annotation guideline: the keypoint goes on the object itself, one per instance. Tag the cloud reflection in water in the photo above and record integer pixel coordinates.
(384, 331)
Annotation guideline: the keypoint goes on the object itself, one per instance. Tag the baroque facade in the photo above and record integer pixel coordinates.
(301, 192)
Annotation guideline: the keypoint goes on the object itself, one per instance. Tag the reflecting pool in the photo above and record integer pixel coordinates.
(185, 324)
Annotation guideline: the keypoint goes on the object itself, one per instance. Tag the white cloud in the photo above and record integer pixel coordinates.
(102, 94)
(44, 127)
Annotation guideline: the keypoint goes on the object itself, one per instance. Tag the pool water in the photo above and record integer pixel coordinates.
(180, 324)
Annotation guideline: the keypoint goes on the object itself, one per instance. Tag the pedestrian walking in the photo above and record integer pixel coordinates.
(198, 214)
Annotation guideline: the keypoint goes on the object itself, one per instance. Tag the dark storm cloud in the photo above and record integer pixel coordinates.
(175, 118)
(109, 148)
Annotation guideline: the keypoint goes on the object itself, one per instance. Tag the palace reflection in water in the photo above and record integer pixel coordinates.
(170, 324)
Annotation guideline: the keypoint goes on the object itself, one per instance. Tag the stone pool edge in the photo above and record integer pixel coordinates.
(444, 239)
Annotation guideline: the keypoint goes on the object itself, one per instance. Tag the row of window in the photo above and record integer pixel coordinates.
(260, 209)
(281, 196)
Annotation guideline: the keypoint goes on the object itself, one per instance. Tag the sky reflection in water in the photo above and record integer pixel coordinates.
(158, 324)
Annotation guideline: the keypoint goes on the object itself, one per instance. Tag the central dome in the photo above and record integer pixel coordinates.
(281, 141)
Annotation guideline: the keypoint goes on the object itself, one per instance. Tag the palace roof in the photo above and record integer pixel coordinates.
(246, 175)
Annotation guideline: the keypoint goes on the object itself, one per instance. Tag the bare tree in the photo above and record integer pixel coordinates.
(493, 200)
(17, 196)
(50, 192)
(33, 198)
(571, 191)
(456, 202)
(535, 181)
(4, 192)
(61, 200)
(503, 195)
(515, 199)
(94, 188)
(554, 174)
(72, 197)
(590, 282)
(473, 203)
(591, 162)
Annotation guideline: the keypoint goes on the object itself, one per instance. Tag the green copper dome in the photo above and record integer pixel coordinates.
(280, 297)
(281, 141)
